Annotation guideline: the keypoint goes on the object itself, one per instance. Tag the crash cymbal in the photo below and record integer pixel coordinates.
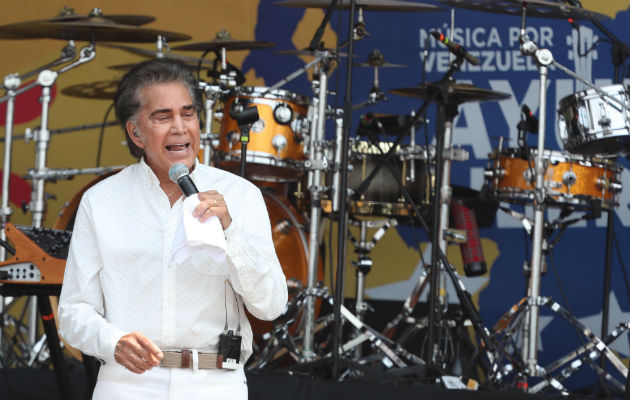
(457, 93)
(147, 53)
(67, 14)
(227, 44)
(103, 90)
(91, 29)
(374, 5)
(535, 8)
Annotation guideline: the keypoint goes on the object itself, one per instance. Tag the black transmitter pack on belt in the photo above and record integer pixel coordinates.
(230, 348)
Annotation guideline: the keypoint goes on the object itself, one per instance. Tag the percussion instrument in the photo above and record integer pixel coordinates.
(591, 124)
(383, 196)
(277, 141)
(570, 179)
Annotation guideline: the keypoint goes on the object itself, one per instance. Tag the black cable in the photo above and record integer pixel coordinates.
(622, 266)
(101, 135)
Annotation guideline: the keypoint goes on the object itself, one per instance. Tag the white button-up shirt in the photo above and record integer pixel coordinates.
(119, 276)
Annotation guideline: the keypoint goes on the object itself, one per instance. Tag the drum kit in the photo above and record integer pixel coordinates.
(374, 183)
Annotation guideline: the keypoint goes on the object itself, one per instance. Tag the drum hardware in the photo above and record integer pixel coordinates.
(506, 332)
(45, 79)
(448, 95)
(209, 140)
(50, 174)
(363, 264)
(376, 61)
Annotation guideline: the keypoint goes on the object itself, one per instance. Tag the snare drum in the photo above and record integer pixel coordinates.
(276, 148)
(569, 179)
(592, 124)
(383, 196)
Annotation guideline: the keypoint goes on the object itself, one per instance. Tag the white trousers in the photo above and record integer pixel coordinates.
(115, 382)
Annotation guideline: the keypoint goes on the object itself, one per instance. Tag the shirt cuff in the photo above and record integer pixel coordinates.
(109, 346)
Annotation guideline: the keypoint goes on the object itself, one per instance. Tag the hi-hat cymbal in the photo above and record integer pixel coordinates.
(535, 8)
(91, 29)
(374, 5)
(157, 54)
(102, 90)
(457, 93)
(227, 44)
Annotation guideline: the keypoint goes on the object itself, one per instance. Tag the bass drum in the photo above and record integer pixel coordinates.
(287, 229)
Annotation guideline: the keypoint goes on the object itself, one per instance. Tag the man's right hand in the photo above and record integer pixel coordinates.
(137, 353)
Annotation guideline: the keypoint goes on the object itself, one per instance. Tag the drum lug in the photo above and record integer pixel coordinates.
(604, 183)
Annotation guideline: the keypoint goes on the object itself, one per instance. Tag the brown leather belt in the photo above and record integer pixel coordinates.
(183, 359)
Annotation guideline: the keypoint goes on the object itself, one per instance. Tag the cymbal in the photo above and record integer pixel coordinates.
(68, 14)
(458, 93)
(156, 54)
(135, 20)
(376, 59)
(381, 64)
(374, 5)
(227, 44)
(103, 90)
(92, 29)
(535, 8)
(307, 52)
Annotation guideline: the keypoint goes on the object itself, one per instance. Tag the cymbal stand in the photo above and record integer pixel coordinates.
(12, 83)
(512, 322)
(37, 205)
(316, 163)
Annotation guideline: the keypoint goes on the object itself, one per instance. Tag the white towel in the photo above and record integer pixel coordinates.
(192, 235)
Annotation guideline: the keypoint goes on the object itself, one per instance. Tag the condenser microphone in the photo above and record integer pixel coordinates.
(455, 48)
(179, 174)
(472, 253)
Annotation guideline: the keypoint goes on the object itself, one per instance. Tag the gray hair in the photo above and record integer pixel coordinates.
(128, 101)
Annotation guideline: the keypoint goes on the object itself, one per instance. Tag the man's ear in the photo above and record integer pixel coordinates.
(133, 134)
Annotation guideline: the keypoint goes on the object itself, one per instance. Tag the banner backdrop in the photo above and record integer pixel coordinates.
(575, 276)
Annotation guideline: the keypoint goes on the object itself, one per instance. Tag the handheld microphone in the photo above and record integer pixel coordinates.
(531, 122)
(455, 48)
(179, 174)
(472, 252)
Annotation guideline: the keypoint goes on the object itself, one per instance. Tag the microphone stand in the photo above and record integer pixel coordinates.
(342, 196)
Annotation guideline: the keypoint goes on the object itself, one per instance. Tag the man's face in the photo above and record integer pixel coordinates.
(167, 127)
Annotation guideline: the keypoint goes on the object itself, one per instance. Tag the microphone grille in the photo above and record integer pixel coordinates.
(176, 171)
